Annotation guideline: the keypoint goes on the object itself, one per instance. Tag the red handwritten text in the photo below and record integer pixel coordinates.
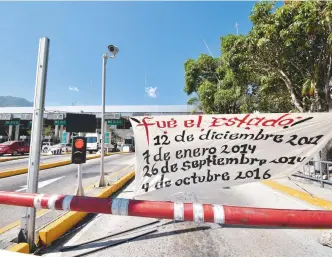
(247, 121)
(160, 124)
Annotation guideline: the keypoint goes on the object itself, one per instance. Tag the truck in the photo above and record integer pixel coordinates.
(93, 142)
(129, 141)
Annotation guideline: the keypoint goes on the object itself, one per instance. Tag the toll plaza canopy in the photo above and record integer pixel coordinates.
(15, 122)
(124, 110)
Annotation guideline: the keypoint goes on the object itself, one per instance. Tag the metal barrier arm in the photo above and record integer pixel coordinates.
(220, 214)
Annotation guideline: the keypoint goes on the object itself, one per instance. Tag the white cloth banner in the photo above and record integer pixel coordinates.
(195, 153)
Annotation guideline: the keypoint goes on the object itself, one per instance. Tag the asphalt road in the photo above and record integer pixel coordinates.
(59, 180)
(196, 240)
(22, 163)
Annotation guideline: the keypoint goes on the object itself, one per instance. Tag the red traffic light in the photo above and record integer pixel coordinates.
(79, 143)
(78, 155)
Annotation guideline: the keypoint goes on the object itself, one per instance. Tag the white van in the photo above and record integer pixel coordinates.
(92, 142)
(126, 148)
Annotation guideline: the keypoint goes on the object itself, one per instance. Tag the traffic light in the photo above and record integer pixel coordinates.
(78, 153)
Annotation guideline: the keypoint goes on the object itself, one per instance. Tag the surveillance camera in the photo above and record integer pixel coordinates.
(113, 49)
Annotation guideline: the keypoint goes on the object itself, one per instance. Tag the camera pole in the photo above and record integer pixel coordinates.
(102, 173)
(114, 50)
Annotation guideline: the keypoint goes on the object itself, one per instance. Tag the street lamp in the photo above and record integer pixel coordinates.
(114, 50)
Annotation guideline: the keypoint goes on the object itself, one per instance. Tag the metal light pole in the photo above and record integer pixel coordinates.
(28, 222)
(102, 125)
(114, 50)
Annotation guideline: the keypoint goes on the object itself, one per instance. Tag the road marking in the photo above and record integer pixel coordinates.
(41, 184)
(45, 211)
(75, 238)
(313, 200)
(117, 172)
(17, 223)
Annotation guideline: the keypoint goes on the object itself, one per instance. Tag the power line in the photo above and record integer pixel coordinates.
(207, 47)
(237, 28)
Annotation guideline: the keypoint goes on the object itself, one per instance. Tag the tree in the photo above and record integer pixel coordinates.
(212, 84)
(293, 44)
(311, 37)
(47, 131)
(287, 54)
(197, 72)
(270, 94)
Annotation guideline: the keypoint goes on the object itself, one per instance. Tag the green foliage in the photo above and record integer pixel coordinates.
(47, 131)
(199, 71)
(287, 53)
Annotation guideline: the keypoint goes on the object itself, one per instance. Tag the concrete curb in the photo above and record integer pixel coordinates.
(320, 202)
(20, 248)
(45, 166)
(7, 159)
(56, 229)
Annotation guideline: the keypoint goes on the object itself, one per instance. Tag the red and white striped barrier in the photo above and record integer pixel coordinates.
(220, 214)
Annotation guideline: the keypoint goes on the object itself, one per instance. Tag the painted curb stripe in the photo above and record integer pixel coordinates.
(51, 202)
(57, 228)
(37, 201)
(178, 211)
(20, 248)
(219, 214)
(9, 173)
(198, 212)
(313, 200)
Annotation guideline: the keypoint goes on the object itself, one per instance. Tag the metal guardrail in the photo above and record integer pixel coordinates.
(320, 171)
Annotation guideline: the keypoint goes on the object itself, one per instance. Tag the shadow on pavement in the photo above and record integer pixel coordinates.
(143, 236)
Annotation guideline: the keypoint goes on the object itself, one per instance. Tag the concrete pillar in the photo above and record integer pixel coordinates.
(105, 126)
(17, 132)
(60, 133)
(56, 133)
(10, 132)
(317, 160)
(68, 138)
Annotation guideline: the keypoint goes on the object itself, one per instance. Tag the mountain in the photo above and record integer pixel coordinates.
(12, 101)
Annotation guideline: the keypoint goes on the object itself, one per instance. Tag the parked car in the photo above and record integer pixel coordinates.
(46, 146)
(67, 147)
(14, 148)
(64, 147)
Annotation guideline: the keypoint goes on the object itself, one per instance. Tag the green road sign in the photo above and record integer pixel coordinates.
(12, 122)
(114, 122)
(60, 122)
(107, 138)
(26, 126)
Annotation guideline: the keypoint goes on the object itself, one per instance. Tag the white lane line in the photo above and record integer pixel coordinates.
(41, 184)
